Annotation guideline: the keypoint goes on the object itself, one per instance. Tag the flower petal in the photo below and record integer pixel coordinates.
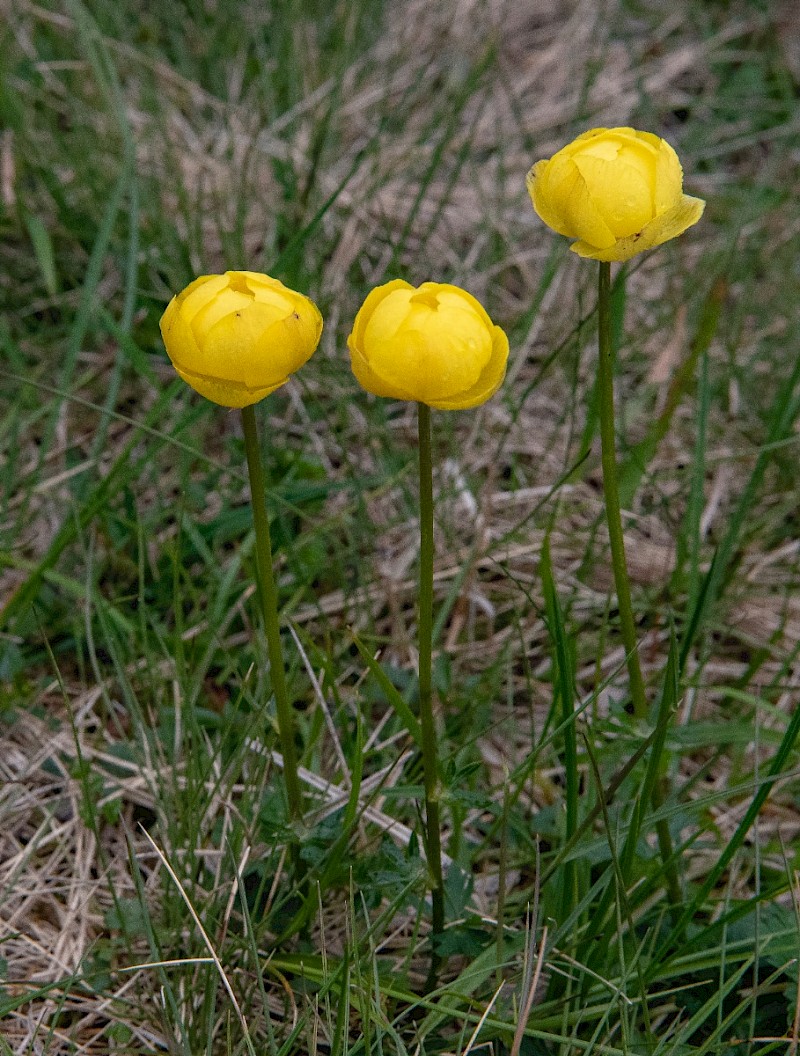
(387, 316)
(489, 382)
(199, 293)
(649, 138)
(444, 351)
(373, 299)
(593, 133)
(661, 229)
(566, 185)
(235, 349)
(179, 341)
(289, 342)
(455, 296)
(686, 212)
(369, 380)
(669, 179)
(270, 291)
(620, 193)
(225, 302)
(545, 208)
(227, 393)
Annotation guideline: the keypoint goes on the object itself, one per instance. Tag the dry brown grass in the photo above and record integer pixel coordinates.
(60, 877)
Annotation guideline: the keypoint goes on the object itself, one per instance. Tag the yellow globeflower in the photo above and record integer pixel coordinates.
(616, 190)
(237, 337)
(434, 344)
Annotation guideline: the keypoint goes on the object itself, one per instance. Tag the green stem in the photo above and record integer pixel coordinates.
(622, 583)
(665, 846)
(269, 608)
(611, 490)
(430, 760)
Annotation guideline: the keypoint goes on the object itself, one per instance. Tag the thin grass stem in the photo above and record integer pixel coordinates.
(564, 684)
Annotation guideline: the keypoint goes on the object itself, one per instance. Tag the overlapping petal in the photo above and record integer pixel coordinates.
(661, 229)
(434, 344)
(237, 337)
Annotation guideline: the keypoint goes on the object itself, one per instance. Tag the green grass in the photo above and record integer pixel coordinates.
(336, 146)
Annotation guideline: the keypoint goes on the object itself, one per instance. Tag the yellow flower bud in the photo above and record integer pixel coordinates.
(616, 190)
(434, 344)
(237, 337)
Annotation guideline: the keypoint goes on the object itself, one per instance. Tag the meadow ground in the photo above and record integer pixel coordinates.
(146, 904)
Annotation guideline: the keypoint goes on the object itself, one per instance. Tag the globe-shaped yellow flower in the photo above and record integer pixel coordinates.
(616, 190)
(434, 344)
(237, 337)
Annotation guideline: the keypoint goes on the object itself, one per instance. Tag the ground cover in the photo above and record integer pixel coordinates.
(147, 904)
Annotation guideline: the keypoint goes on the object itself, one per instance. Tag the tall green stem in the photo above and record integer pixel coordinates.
(611, 490)
(430, 760)
(269, 608)
(614, 520)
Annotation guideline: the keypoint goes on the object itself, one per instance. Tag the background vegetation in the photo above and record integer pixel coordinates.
(142, 818)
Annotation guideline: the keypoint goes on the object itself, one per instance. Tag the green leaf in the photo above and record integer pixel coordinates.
(43, 251)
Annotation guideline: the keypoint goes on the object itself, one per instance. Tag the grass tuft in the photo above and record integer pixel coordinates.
(146, 900)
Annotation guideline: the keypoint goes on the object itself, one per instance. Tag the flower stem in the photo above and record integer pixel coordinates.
(611, 491)
(430, 760)
(269, 608)
(614, 520)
